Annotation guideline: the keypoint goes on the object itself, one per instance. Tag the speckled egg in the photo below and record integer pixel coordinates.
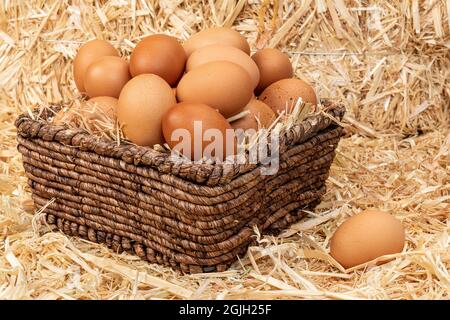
(283, 94)
(260, 115)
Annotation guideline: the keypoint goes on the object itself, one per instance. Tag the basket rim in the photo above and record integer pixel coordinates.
(210, 174)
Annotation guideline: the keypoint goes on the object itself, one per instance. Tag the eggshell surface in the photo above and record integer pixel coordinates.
(106, 77)
(183, 116)
(142, 103)
(88, 53)
(96, 114)
(161, 55)
(367, 236)
(103, 105)
(216, 35)
(283, 94)
(222, 85)
(225, 53)
(273, 65)
(259, 111)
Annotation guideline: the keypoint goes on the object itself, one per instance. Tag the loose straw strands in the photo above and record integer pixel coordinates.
(388, 64)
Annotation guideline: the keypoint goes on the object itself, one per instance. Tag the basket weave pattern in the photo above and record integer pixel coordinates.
(193, 217)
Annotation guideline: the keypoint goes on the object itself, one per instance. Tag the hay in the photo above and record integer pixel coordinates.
(387, 61)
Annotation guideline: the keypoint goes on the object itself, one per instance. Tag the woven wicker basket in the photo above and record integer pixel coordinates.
(193, 217)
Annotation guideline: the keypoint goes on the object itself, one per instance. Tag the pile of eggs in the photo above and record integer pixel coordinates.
(211, 78)
(166, 84)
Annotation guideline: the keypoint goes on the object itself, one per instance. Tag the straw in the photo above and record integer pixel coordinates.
(388, 62)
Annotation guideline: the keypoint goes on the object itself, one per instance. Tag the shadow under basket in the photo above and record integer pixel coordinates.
(193, 217)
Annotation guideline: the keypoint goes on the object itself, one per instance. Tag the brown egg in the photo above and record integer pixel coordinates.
(367, 236)
(95, 115)
(88, 53)
(106, 77)
(273, 65)
(161, 55)
(226, 53)
(102, 106)
(194, 120)
(142, 103)
(217, 35)
(222, 85)
(283, 94)
(258, 111)
(63, 116)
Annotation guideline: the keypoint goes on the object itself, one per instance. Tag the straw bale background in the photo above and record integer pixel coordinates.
(388, 62)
